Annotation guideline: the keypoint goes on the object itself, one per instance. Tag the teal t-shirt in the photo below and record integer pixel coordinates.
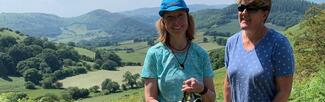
(160, 63)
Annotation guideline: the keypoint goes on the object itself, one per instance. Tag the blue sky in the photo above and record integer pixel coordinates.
(70, 8)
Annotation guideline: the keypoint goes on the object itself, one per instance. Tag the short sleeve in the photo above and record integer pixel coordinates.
(149, 69)
(207, 66)
(226, 59)
(283, 58)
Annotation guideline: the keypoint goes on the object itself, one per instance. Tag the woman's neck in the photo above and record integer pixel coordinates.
(254, 36)
(251, 38)
(178, 43)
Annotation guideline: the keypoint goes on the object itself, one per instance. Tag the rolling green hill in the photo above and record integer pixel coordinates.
(99, 26)
(35, 24)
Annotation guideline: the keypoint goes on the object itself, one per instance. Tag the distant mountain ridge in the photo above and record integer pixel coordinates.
(38, 24)
(98, 23)
(150, 15)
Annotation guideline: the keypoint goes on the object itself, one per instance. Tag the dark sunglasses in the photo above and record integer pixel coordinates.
(250, 8)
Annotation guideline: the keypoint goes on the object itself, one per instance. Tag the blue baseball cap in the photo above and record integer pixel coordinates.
(172, 5)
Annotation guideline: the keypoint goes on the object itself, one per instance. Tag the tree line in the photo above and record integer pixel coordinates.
(131, 81)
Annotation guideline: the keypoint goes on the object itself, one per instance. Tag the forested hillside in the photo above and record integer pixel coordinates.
(42, 62)
(35, 24)
(284, 13)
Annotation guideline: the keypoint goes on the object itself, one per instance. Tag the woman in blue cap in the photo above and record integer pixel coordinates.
(259, 60)
(176, 65)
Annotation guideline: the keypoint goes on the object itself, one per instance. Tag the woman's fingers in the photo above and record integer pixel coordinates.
(187, 89)
(191, 85)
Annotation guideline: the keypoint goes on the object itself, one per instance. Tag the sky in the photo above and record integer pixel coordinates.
(71, 8)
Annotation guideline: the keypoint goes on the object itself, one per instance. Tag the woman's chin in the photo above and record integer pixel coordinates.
(244, 27)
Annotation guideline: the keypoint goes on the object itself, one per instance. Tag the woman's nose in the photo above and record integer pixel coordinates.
(245, 11)
(178, 21)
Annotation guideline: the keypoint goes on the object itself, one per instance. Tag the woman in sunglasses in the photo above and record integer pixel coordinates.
(259, 60)
(176, 66)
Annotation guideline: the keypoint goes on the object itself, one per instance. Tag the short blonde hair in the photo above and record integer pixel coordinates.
(259, 3)
(163, 33)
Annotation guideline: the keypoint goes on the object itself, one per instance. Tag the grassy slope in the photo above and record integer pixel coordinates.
(129, 44)
(13, 84)
(231, 27)
(97, 77)
(140, 50)
(293, 31)
(133, 95)
(139, 54)
(17, 85)
(85, 52)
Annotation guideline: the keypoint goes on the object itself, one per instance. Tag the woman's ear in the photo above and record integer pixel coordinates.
(162, 21)
(265, 15)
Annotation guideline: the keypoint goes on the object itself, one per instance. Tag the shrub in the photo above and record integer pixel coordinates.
(124, 87)
(94, 89)
(110, 85)
(109, 65)
(76, 93)
(29, 85)
(57, 85)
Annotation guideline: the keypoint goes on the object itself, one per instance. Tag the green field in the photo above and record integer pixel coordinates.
(85, 52)
(210, 46)
(16, 84)
(139, 54)
(97, 77)
(232, 27)
(140, 50)
(127, 44)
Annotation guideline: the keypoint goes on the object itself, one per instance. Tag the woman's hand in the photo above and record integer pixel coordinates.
(192, 85)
